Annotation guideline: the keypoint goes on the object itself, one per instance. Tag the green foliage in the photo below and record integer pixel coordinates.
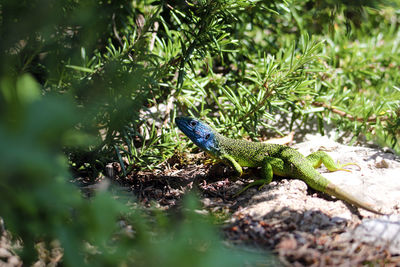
(71, 96)
(86, 83)
(203, 247)
(308, 60)
(43, 205)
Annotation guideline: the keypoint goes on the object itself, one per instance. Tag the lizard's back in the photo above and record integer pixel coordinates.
(252, 154)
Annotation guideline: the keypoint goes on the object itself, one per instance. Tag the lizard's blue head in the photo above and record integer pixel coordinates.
(199, 132)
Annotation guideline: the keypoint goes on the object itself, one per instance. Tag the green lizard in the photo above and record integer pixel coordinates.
(272, 158)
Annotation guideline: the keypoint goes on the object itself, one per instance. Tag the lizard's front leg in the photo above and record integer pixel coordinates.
(268, 168)
(233, 163)
(320, 157)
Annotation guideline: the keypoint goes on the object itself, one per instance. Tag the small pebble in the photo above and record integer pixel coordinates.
(381, 163)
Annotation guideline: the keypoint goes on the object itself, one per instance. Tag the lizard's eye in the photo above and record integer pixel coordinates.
(207, 136)
(193, 123)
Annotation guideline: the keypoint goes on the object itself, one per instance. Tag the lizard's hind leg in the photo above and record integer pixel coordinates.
(321, 157)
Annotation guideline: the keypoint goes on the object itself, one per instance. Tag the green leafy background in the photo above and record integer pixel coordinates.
(85, 83)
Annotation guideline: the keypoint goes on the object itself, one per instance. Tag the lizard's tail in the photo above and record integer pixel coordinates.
(334, 190)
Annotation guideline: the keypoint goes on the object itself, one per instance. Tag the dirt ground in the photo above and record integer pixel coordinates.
(301, 226)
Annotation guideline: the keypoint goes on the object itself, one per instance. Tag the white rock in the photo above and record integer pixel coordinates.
(383, 232)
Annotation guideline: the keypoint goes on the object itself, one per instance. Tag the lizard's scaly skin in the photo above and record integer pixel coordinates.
(272, 158)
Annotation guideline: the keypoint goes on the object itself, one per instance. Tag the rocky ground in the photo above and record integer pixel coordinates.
(301, 226)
